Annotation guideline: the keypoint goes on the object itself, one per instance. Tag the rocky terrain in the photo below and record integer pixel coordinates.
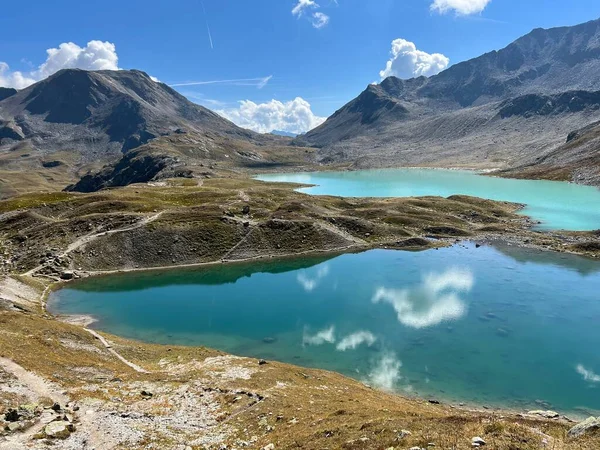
(505, 109)
(578, 159)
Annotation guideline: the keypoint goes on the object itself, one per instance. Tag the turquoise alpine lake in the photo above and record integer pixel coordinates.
(557, 205)
(497, 325)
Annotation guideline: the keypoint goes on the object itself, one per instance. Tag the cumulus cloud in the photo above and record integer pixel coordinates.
(408, 62)
(96, 55)
(16, 80)
(587, 374)
(326, 336)
(302, 8)
(434, 301)
(353, 340)
(461, 7)
(294, 116)
(386, 372)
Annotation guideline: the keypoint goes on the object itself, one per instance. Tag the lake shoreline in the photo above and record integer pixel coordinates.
(470, 405)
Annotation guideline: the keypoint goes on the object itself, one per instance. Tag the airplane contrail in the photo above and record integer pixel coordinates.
(258, 82)
(207, 27)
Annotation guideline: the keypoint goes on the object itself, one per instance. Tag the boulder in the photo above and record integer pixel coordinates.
(545, 414)
(67, 275)
(58, 430)
(589, 424)
(14, 426)
(12, 415)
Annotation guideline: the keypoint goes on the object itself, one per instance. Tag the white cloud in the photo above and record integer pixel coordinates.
(353, 340)
(587, 374)
(386, 373)
(434, 301)
(319, 20)
(408, 62)
(294, 116)
(326, 336)
(303, 5)
(15, 80)
(96, 55)
(462, 7)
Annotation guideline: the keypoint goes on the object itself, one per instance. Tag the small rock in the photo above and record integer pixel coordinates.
(589, 424)
(269, 447)
(545, 414)
(477, 442)
(14, 426)
(146, 394)
(403, 434)
(58, 430)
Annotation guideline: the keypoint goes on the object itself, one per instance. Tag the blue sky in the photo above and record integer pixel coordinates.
(326, 66)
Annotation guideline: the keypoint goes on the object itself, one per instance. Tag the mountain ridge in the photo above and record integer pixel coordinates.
(480, 113)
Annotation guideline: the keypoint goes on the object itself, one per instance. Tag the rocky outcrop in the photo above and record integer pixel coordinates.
(134, 167)
(10, 130)
(588, 425)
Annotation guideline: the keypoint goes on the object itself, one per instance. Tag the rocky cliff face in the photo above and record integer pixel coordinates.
(504, 108)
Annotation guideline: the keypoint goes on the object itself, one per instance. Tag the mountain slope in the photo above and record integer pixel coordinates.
(105, 111)
(75, 121)
(577, 159)
(504, 108)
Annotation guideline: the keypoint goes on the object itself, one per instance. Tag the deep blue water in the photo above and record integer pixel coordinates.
(497, 326)
(557, 205)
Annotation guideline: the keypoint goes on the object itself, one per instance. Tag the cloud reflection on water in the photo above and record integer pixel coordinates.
(434, 301)
(386, 372)
(587, 374)
(325, 336)
(309, 284)
(353, 340)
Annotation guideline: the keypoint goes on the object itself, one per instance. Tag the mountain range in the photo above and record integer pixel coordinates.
(506, 108)
(531, 109)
